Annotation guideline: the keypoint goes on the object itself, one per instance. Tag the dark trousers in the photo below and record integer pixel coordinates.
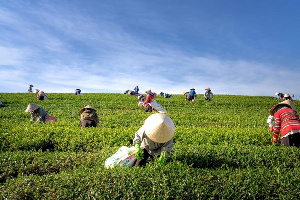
(88, 123)
(291, 140)
(144, 160)
(148, 109)
(41, 98)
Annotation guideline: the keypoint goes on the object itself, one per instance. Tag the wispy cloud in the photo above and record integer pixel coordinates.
(61, 47)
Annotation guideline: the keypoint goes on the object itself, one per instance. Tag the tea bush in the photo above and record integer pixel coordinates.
(222, 150)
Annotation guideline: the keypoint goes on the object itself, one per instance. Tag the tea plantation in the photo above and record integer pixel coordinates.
(222, 150)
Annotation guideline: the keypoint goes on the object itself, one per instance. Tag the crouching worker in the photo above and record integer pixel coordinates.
(287, 123)
(38, 114)
(148, 101)
(41, 95)
(78, 92)
(88, 117)
(155, 135)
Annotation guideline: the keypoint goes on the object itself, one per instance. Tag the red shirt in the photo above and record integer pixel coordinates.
(148, 100)
(286, 120)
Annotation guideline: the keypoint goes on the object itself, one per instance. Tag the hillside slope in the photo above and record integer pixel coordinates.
(222, 149)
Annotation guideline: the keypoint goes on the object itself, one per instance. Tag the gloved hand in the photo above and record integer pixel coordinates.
(275, 138)
(139, 154)
(163, 157)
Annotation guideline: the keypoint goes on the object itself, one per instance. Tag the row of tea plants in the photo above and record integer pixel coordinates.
(222, 150)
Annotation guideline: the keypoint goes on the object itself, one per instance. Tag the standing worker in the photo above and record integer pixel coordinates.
(287, 123)
(30, 88)
(136, 89)
(156, 133)
(88, 117)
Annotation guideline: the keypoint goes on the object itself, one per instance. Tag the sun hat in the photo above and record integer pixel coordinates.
(159, 128)
(88, 106)
(31, 107)
(276, 93)
(286, 95)
(207, 88)
(286, 102)
(192, 89)
(148, 92)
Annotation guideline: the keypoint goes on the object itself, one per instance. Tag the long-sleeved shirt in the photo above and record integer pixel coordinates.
(271, 121)
(149, 99)
(207, 94)
(89, 115)
(136, 90)
(286, 122)
(152, 147)
(40, 114)
(192, 93)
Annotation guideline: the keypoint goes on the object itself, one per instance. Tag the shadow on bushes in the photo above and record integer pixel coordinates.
(210, 162)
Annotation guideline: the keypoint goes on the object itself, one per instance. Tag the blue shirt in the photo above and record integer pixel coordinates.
(192, 93)
(136, 89)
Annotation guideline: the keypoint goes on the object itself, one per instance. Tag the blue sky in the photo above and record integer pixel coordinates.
(239, 47)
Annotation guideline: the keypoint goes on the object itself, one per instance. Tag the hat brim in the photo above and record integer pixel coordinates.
(88, 106)
(286, 102)
(31, 107)
(159, 128)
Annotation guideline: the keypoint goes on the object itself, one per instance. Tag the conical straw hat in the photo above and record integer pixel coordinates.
(159, 128)
(31, 107)
(286, 102)
(88, 106)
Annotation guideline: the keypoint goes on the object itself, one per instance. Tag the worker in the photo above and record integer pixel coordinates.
(287, 123)
(155, 135)
(88, 117)
(38, 114)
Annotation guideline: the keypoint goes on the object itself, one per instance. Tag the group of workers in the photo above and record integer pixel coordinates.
(284, 96)
(191, 95)
(40, 95)
(158, 130)
(155, 134)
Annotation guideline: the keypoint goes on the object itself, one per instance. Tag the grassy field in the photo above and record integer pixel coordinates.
(222, 150)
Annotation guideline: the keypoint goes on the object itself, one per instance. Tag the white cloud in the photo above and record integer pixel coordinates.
(59, 49)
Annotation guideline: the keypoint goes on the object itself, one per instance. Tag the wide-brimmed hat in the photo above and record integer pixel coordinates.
(286, 102)
(88, 106)
(276, 93)
(286, 95)
(159, 128)
(207, 88)
(31, 107)
(148, 92)
(192, 89)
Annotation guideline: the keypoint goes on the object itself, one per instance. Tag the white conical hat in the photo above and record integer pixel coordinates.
(159, 128)
(31, 107)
